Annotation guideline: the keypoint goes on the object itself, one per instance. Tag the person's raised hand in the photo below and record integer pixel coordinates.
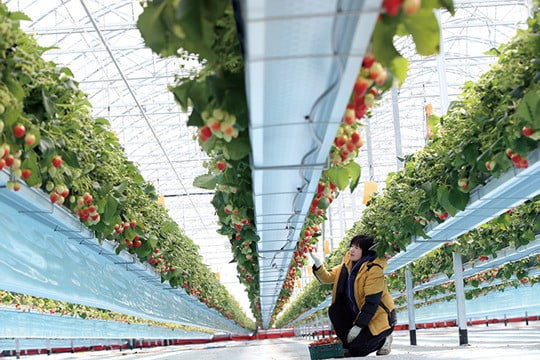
(316, 260)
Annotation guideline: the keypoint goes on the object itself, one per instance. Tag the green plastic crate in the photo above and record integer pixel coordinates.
(326, 351)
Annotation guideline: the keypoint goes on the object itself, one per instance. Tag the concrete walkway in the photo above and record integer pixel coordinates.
(493, 342)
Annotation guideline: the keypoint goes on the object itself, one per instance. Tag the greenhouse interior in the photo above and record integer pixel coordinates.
(251, 179)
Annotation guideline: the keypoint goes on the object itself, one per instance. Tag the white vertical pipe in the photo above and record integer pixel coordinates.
(410, 306)
(460, 299)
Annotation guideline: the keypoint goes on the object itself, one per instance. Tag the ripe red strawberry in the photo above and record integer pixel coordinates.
(137, 243)
(361, 86)
(19, 130)
(9, 160)
(392, 6)
(29, 139)
(320, 188)
(360, 109)
(26, 173)
(205, 133)
(65, 193)
(355, 137)
(368, 61)
(87, 198)
(516, 158)
(2, 163)
(92, 209)
(94, 217)
(54, 197)
(133, 224)
(527, 131)
(57, 161)
(339, 141)
(221, 165)
(156, 251)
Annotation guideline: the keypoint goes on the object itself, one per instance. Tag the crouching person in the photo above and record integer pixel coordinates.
(362, 310)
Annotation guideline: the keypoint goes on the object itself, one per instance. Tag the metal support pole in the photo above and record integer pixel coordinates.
(460, 299)
(330, 230)
(441, 67)
(17, 349)
(71, 345)
(397, 127)
(526, 318)
(369, 151)
(410, 305)
(342, 216)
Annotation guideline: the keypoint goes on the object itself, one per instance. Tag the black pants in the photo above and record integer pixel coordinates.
(366, 342)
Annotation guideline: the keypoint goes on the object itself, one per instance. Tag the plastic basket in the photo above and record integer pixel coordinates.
(326, 351)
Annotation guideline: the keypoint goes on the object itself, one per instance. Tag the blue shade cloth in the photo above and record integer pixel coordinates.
(19, 324)
(46, 252)
(510, 302)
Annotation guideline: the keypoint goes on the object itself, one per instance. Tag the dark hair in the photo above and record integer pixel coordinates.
(364, 242)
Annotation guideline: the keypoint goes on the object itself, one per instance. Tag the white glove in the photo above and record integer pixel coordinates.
(353, 333)
(316, 261)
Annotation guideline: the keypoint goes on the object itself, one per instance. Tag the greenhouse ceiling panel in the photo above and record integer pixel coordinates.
(302, 59)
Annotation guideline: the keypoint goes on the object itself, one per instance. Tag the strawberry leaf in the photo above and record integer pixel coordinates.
(354, 171)
(424, 28)
(529, 108)
(206, 181)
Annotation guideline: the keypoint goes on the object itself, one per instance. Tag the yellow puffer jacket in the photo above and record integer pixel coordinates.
(367, 282)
